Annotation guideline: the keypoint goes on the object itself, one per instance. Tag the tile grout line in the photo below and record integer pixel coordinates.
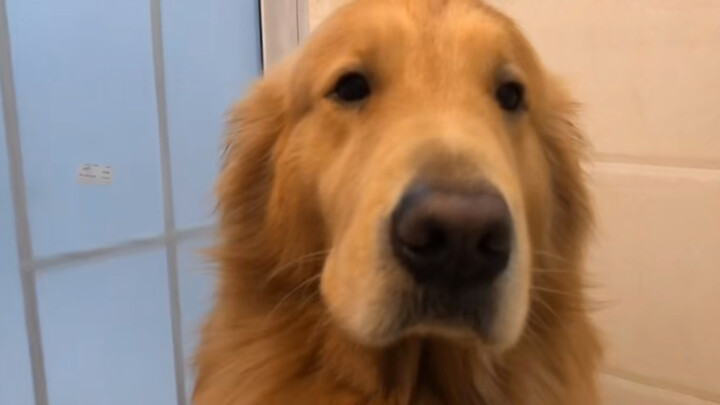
(168, 206)
(664, 163)
(59, 261)
(652, 383)
(22, 222)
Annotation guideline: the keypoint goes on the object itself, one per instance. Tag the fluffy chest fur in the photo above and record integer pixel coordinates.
(292, 362)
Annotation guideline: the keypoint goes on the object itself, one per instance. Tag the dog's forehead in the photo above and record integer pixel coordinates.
(406, 38)
(433, 5)
(429, 9)
(371, 24)
(425, 10)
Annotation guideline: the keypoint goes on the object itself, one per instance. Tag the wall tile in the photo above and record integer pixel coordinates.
(656, 265)
(106, 332)
(212, 54)
(618, 391)
(86, 94)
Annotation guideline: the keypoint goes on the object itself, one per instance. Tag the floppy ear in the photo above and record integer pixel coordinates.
(265, 208)
(254, 127)
(571, 221)
(243, 188)
(566, 150)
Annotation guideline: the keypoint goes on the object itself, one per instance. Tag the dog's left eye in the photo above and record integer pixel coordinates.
(510, 96)
(351, 88)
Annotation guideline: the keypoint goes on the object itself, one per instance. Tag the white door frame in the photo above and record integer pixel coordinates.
(284, 24)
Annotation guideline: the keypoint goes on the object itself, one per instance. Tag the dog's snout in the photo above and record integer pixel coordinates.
(452, 239)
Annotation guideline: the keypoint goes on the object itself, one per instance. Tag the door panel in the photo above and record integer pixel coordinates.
(86, 94)
(106, 332)
(212, 54)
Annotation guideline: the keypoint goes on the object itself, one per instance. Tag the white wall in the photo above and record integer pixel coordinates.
(648, 73)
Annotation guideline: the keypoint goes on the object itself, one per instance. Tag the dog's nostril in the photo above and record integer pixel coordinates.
(495, 241)
(427, 240)
(448, 238)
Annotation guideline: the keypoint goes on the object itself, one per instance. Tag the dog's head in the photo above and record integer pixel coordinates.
(420, 149)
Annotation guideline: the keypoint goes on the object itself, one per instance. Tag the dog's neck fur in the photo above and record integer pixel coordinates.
(300, 361)
(279, 348)
(415, 371)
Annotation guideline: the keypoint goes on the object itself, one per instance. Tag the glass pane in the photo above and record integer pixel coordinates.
(85, 89)
(197, 282)
(15, 374)
(106, 332)
(212, 53)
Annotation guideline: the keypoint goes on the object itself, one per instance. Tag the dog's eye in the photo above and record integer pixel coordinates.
(510, 96)
(352, 87)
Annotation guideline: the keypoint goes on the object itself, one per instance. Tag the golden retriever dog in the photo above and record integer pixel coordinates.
(403, 220)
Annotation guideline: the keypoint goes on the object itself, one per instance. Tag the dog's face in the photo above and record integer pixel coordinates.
(418, 134)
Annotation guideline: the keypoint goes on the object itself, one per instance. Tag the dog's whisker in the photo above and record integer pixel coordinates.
(552, 311)
(300, 260)
(287, 296)
(540, 270)
(549, 255)
(531, 334)
(555, 292)
(309, 298)
(305, 259)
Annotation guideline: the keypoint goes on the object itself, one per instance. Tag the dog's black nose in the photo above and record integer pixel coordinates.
(452, 239)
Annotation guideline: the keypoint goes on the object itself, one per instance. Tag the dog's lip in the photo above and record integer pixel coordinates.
(450, 329)
(471, 310)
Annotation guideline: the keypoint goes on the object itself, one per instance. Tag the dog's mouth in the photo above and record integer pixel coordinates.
(463, 313)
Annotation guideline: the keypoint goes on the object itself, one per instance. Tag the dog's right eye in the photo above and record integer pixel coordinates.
(510, 96)
(352, 88)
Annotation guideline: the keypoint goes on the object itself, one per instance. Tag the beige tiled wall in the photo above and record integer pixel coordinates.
(648, 72)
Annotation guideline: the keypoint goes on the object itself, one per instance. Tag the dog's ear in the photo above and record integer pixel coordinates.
(254, 128)
(566, 148)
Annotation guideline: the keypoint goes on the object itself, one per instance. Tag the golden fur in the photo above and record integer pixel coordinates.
(308, 295)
